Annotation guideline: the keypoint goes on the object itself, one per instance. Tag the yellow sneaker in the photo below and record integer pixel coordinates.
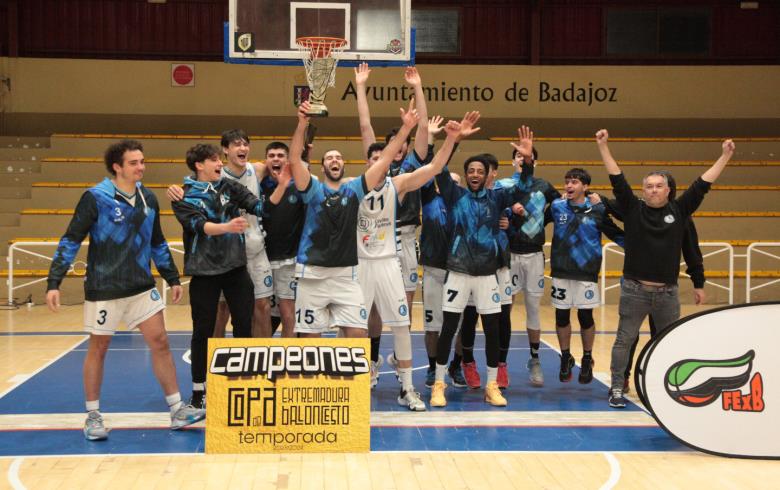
(437, 394)
(492, 395)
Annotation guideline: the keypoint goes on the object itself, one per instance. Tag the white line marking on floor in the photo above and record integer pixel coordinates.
(13, 475)
(51, 361)
(614, 472)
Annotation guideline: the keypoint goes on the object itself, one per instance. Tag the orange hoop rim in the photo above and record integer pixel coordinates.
(317, 41)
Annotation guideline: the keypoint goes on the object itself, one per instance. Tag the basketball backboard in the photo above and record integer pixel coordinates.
(264, 31)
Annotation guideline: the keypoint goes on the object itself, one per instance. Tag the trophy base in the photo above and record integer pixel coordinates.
(317, 110)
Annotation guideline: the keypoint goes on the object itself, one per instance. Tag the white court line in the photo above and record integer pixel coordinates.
(614, 472)
(52, 361)
(13, 475)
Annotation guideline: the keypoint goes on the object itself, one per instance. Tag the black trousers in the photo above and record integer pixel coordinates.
(239, 293)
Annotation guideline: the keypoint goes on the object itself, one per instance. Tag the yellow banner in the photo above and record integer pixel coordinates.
(288, 395)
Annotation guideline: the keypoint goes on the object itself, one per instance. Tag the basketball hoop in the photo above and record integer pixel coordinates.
(320, 57)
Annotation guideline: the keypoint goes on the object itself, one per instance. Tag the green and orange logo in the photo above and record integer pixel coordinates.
(697, 383)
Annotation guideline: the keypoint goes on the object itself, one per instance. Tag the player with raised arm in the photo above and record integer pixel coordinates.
(215, 253)
(328, 293)
(122, 219)
(654, 227)
(472, 261)
(404, 161)
(378, 268)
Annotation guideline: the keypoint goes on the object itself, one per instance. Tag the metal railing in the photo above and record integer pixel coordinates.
(20, 248)
(756, 247)
(719, 246)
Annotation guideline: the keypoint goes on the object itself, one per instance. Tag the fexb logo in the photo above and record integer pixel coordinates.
(697, 383)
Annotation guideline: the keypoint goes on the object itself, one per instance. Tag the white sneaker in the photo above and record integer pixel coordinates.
(411, 400)
(186, 415)
(375, 370)
(94, 430)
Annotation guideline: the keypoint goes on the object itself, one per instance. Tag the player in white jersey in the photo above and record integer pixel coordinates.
(379, 271)
(235, 146)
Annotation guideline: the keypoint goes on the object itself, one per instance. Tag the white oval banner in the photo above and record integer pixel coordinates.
(713, 380)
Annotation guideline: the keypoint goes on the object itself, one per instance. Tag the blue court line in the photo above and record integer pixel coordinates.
(129, 357)
(139, 441)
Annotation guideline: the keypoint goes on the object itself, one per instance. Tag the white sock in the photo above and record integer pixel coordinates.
(406, 378)
(440, 370)
(174, 402)
(492, 374)
(198, 386)
(93, 406)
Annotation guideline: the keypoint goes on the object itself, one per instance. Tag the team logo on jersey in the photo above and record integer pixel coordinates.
(155, 295)
(413, 277)
(292, 199)
(508, 291)
(669, 219)
(589, 294)
(224, 199)
(541, 283)
(363, 313)
(403, 310)
(496, 298)
(344, 201)
(268, 281)
(698, 382)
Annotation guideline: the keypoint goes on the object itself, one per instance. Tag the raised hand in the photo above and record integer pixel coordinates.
(728, 148)
(453, 128)
(467, 124)
(362, 71)
(525, 142)
(303, 109)
(412, 77)
(602, 136)
(435, 126)
(409, 117)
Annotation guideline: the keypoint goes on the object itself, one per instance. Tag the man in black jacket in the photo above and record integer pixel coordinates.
(654, 229)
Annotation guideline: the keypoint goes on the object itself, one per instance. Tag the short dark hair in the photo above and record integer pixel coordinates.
(533, 150)
(394, 132)
(476, 158)
(200, 153)
(322, 160)
(232, 135)
(374, 147)
(578, 173)
(277, 145)
(116, 153)
(669, 181)
(488, 158)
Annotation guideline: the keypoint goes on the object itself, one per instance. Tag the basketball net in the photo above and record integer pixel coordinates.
(320, 57)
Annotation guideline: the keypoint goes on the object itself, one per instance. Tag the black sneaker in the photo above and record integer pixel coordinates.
(565, 373)
(198, 399)
(616, 399)
(586, 370)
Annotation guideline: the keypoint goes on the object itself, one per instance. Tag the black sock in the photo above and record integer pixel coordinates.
(455, 363)
(432, 363)
(375, 348)
(535, 349)
(468, 354)
(586, 354)
(565, 353)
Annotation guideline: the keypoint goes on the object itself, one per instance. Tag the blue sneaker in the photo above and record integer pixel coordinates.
(456, 376)
(430, 377)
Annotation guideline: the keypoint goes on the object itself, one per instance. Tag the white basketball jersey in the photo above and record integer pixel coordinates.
(254, 236)
(376, 223)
